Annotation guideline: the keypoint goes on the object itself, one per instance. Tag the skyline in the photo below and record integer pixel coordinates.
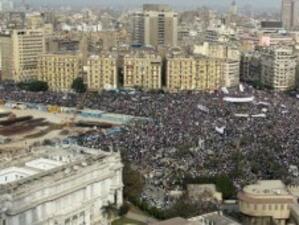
(174, 3)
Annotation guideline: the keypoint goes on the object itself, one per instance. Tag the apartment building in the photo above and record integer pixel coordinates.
(157, 25)
(251, 67)
(102, 72)
(59, 70)
(278, 68)
(27, 47)
(193, 73)
(142, 69)
(218, 50)
(230, 73)
(6, 57)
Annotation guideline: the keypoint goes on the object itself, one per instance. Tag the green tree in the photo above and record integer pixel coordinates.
(78, 85)
(110, 211)
(33, 85)
(133, 182)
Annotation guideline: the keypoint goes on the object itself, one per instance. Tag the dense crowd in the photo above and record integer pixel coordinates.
(194, 134)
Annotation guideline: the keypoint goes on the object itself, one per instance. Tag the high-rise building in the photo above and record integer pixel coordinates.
(251, 67)
(290, 14)
(155, 26)
(6, 5)
(28, 46)
(59, 70)
(230, 73)
(101, 72)
(278, 68)
(142, 69)
(6, 57)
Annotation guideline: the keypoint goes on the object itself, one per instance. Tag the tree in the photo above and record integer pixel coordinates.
(78, 85)
(133, 182)
(33, 85)
(109, 211)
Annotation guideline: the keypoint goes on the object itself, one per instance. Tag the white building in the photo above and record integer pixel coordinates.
(59, 186)
(278, 68)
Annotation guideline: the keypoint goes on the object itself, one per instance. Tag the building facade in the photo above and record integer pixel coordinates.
(251, 67)
(142, 69)
(28, 46)
(6, 57)
(59, 186)
(194, 73)
(102, 72)
(265, 203)
(157, 25)
(278, 68)
(218, 50)
(59, 70)
(230, 73)
(290, 14)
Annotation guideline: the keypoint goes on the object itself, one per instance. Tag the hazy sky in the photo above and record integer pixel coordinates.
(178, 3)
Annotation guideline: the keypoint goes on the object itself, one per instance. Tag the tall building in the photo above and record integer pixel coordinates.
(251, 67)
(6, 57)
(230, 56)
(142, 69)
(157, 25)
(193, 73)
(101, 72)
(6, 5)
(230, 73)
(290, 14)
(59, 185)
(28, 46)
(278, 68)
(59, 70)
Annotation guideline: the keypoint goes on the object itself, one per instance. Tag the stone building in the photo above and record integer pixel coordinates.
(278, 68)
(156, 26)
(58, 185)
(27, 47)
(142, 69)
(102, 72)
(59, 70)
(266, 202)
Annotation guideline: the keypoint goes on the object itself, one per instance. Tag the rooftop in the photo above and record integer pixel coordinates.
(28, 167)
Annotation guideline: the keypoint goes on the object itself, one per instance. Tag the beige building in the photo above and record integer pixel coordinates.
(278, 68)
(6, 57)
(217, 50)
(28, 46)
(142, 69)
(266, 202)
(102, 72)
(59, 70)
(194, 73)
(290, 14)
(34, 21)
(231, 57)
(157, 25)
(230, 73)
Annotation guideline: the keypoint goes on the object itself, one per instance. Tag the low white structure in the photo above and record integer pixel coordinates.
(59, 186)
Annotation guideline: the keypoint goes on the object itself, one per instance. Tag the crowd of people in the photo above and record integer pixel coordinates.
(193, 134)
